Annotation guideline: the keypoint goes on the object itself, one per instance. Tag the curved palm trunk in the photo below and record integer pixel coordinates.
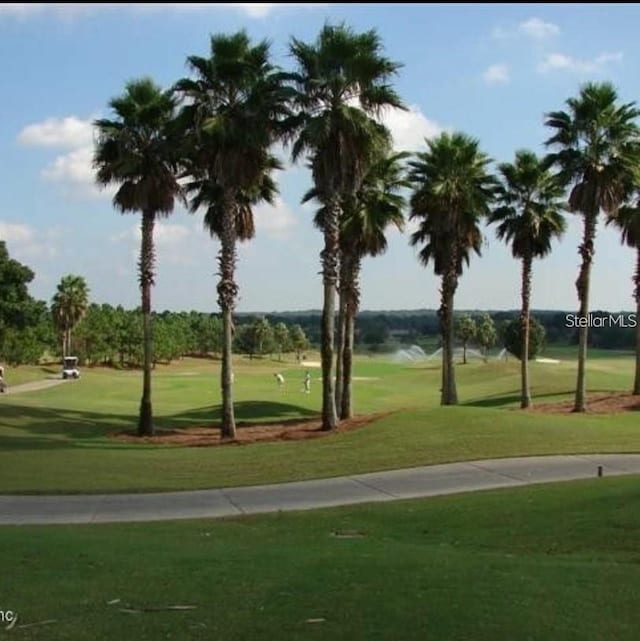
(636, 383)
(341, 329)
(525, 321)
(586, 251)
(227, 292)
(330, 259)
(449, 394)
(353, 304)
(147, 259)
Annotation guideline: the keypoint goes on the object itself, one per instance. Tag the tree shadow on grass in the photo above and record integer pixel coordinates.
(246, 413)
(509, 398)
(39, 428)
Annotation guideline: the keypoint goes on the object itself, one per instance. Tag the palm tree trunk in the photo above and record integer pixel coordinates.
(449, 393)
(330, 259)
(227, 292)
(341, 328)
(464, 351)
(147, 259)
(353, 304)
(586, 251)
(636, 383)
(525, 321)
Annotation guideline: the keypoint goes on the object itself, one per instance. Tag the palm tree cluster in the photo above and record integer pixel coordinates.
(209, 141)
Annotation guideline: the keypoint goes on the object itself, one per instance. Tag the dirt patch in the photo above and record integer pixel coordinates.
(609, 403)
(247, 433)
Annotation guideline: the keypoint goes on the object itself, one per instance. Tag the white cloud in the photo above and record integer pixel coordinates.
(25, 243)
(171, 240)
(534, 28)
(164, 234)
(15, 232)
(562, 62)
(497, 74)
(69, 10)
(276, 221)
(74, 172)
(70, 132)
(538, 29)
(410, 128)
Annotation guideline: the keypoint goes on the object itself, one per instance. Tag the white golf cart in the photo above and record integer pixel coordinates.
(70, 367)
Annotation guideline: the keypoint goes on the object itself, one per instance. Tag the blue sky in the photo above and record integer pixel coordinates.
(491, 71)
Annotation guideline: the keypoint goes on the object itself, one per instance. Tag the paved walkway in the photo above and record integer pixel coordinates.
(33, 386)
(432, 480)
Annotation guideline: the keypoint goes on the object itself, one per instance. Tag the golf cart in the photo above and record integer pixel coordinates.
(70, 367)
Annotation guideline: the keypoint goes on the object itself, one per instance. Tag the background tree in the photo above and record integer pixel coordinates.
(281, 338)
(235, 108)
(628, 222)
(486, 333)
(341, 80)
(136, 150)
(529, 218)
(465, 331)
(25, 324)
(597, 151)
(261, 329)
(299, 340)
(512, 334)
(452, 191)
(69, 305)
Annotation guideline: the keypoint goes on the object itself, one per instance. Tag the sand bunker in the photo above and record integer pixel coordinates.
(311, 363)
(547, 360)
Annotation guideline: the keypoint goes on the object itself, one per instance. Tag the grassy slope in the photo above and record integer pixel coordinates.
(56, 440)
(555, 563)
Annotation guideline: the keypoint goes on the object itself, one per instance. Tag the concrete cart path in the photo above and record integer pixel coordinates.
(34, 386)
(415, 482)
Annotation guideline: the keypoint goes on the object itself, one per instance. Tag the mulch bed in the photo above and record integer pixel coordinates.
(607, 403)
(247, 433)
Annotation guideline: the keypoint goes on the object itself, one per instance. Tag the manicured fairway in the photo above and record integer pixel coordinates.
(555, 563)
(57, 440)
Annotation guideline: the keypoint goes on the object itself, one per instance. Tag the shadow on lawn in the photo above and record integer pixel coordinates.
(33, 428)
(503, 400)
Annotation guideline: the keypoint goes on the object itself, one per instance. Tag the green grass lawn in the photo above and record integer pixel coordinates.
(57, 440)
(549, 563)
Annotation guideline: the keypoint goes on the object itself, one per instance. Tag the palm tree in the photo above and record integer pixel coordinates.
(528, 217)
(376, 206)
(598, 153)
(341, 82)
(628, 222)
(136, 151)
(452, 191)
(235, 109)
(69, 305)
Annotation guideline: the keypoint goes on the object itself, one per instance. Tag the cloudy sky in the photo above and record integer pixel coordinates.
(491, 71)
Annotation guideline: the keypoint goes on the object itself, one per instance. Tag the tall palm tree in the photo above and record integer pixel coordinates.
(598, 153)
(376, 206)
(136, 150)
(69, 305)
(528, 217)
(452, 191)
(235, 109)
(341, 83)
(628, 222)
